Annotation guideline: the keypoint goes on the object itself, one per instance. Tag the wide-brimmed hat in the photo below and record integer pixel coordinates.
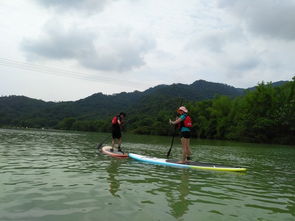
(183, 108)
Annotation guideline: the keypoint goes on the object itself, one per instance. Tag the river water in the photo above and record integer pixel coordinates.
(49, 175)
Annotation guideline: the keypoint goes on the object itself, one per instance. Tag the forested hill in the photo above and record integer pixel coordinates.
(148, 111)
(199, 90)
(24, 111)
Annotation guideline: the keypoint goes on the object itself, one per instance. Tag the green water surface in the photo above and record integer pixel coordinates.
(48, 175)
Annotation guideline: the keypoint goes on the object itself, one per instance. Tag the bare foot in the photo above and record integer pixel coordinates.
(181, 162)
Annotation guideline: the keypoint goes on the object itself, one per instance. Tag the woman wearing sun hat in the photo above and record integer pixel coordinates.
(184, 123)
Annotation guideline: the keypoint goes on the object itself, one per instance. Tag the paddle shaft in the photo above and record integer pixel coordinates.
(174, 132)
(101, 143)
(172, 141)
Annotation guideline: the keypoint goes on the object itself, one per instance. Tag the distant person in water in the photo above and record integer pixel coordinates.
(117, 123)
(184, 124)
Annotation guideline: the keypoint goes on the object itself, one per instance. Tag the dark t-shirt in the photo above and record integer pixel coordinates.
(116, 129)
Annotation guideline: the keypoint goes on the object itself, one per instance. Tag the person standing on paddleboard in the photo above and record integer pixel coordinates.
(117, 123)
(184, 123)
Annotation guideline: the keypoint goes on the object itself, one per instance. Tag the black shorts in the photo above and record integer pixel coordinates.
(116, 132)
(185, 134)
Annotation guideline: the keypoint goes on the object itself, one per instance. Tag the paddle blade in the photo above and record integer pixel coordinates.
(169, 151)
(102, 142)
(99, 146)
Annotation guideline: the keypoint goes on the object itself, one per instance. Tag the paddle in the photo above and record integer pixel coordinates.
(102, 142)
(172, 141)
(174, 132)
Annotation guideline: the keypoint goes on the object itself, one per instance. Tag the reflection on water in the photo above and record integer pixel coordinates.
(112, 170)
(179, 201)
(61, 176)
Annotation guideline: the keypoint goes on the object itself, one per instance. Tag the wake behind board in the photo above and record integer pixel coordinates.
(193, 165)
(107, 150)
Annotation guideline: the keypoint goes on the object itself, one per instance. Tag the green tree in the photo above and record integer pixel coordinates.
(66, 123)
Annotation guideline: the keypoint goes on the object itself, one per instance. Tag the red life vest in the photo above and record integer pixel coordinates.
(115, 120)
(187, 122)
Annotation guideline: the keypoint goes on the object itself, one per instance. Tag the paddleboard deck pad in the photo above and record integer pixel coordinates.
(190, 164)
(107, 150)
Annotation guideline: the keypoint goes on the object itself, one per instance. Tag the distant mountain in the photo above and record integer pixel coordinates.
(199, 90)
(164, 97)
(24, 111)
(275, 84)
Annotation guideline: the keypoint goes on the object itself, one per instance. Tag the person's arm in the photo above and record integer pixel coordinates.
(177, 121)
(121, 121)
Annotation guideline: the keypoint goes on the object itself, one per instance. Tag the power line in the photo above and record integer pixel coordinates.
(63, 72)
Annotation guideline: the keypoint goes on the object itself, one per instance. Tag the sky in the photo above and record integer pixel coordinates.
(66, 50)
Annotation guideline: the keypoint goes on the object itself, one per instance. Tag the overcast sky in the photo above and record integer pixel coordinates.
(59, 50)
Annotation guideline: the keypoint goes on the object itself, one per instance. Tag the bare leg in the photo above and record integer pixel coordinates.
(187, 147)
(113, 143)
(119, 142)
(183, 143)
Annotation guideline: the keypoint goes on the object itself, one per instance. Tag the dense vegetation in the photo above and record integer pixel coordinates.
(261, 114)
(265, 114)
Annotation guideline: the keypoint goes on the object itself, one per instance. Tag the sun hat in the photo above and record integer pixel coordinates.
(183, 108)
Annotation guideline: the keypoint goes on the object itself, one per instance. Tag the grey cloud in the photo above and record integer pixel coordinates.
(117, 51)
(88, 6)
(216, 41)
(211, 42)
(59, 43)
(246, 65)
(242, 67)
(122, 52)
(271, 18)
(59, 46)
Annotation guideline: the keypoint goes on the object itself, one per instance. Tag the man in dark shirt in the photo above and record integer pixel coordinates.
(117, 123)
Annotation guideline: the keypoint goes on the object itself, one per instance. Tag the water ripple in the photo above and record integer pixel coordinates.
(60, 176)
